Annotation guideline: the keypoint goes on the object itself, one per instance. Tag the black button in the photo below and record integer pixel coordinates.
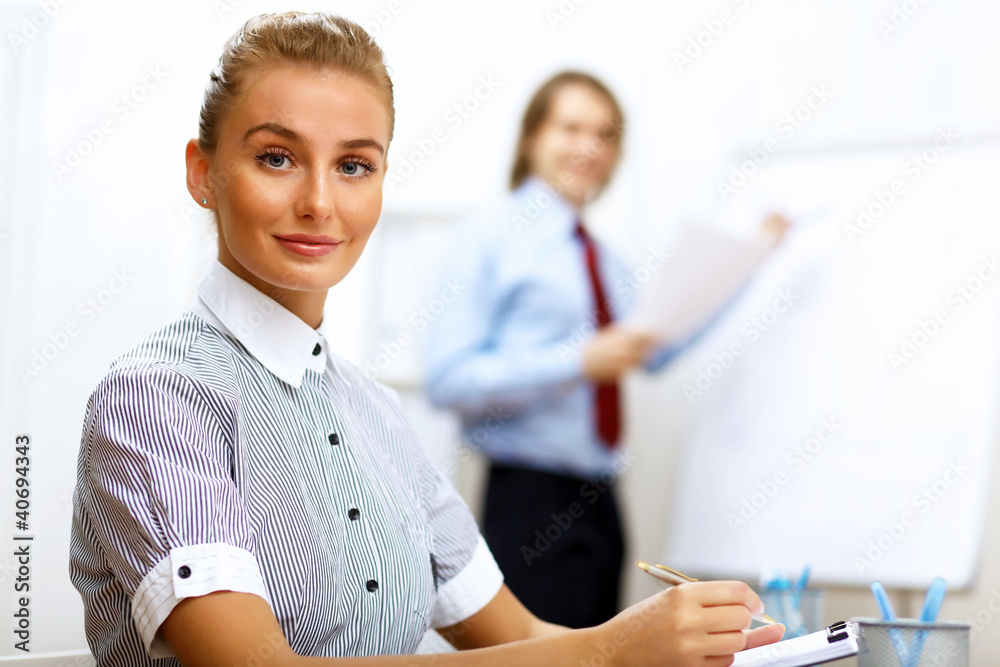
(183, 572)
(334, 439)
(372, 585)
(353, 514)
(317, 350)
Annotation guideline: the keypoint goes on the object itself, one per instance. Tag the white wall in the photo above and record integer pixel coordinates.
(124, 208)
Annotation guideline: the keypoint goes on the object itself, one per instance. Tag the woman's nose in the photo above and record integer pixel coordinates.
(316, 196)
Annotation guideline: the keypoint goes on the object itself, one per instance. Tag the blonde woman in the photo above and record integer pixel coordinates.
(247, 497)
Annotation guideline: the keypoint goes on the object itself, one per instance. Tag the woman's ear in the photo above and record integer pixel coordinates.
(199, 181)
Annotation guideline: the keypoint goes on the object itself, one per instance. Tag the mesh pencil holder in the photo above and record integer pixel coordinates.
(910, 643)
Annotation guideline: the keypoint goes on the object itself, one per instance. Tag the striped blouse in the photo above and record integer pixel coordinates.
(230, 450)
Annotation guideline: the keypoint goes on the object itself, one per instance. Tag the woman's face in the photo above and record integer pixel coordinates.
(296, 178)
(576, 147)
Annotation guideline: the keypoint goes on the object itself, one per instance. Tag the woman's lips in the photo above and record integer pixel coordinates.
(308, 246)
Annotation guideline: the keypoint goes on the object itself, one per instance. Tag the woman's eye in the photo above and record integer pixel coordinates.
(274, 159)
(356, 168)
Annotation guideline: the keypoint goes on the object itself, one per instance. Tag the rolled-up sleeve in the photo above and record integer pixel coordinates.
(470, 589)
(156, 496)
(468, 576)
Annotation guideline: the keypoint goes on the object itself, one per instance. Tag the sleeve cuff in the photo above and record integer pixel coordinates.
(468, 591)
(186, 572)
(662, 356)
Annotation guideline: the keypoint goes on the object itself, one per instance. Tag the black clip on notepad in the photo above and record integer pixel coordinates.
(836, 632)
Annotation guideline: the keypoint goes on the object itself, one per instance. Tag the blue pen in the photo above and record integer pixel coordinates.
(800, 586)
(799, 619)
(804, 579)
(929, 614)
(932, 603)
(889, 616)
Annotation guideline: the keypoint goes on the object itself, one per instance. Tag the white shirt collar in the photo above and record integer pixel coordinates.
(558, 212)
(279, 340)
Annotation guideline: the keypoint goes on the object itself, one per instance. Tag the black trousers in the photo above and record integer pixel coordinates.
(558, 541)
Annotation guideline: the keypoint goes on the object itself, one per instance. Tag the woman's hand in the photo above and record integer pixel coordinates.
(702, 623)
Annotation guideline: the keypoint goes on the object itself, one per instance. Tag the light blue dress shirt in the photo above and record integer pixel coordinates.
(507, 353)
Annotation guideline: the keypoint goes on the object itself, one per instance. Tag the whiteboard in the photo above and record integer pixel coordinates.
(851, 426)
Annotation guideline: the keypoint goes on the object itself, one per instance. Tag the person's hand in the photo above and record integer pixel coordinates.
(701, 623)
(773, 229)
(613, 351)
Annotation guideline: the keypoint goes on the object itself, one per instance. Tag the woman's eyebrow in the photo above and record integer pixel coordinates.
(291, 135)
(275, 128)
(363, 143)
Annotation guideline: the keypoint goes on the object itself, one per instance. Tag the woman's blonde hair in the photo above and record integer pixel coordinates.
(320, 40)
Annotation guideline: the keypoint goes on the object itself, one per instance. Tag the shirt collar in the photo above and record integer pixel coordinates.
(278, 339)
(559, 214)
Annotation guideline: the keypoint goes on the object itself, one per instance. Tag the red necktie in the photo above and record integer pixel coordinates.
(606, 400)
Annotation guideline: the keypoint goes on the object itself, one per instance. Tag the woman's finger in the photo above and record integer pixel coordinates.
(716, 593)
(726, 618)
(767, 634)
(724, 643)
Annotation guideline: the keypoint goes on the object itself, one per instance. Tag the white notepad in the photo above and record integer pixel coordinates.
(839, 640)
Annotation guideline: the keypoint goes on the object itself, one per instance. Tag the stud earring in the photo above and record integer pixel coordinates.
(204, 202)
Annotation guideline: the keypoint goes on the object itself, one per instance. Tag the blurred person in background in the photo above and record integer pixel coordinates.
(531, 357)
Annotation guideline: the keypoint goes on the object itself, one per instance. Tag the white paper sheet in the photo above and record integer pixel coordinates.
(705, 269)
